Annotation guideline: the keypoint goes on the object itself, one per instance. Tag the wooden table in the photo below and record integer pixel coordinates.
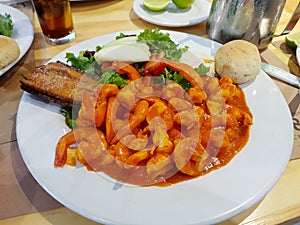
(23, 201)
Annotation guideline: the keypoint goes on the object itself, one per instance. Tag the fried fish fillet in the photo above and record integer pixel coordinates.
(58, 83)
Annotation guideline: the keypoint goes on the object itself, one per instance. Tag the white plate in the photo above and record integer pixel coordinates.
(22, 33)
(173, 16)
(212, 198)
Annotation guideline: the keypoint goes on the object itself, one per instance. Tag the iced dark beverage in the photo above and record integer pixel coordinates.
(55, 18)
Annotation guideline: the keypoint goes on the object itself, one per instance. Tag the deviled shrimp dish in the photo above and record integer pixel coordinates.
(153, 120)
(153, 131)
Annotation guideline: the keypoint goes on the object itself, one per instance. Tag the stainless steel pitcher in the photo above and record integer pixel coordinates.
(251, 20)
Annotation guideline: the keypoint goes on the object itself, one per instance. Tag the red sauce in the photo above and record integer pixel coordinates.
(236, 135)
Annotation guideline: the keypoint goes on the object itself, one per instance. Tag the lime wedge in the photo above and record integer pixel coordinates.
(182, 4)
(156, 5)
(293, 40)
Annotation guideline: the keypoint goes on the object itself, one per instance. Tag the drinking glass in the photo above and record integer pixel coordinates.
(55, 18)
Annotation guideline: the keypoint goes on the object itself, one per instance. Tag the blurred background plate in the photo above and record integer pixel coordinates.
(22, 33)
(12, 2)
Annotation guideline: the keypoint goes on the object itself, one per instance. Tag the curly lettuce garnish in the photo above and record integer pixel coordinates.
(6, 25)
(158, 42)
(70, 118)
(111, 77)
(155, 39)
(85, 61)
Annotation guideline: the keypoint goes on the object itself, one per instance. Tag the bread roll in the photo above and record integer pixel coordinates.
(239, 60)
(9, 51)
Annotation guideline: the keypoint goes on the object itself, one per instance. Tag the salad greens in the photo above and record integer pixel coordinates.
(177, 78)
(6, 25)
(202, 70)
(157, 42)
(70, 118)
(85, 61)
(111, 77)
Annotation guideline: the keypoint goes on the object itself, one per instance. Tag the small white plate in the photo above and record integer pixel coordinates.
(22, 33)
(173, 16)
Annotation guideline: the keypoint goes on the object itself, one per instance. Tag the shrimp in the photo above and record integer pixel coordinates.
(160, 109)
(197, 96)
(138, 157)
(127, 96)
(93, 147)
(93, 108)
(160, 139)
(193, 168)
(110, 116)
(216, 104)
(183, 151)
(122, 152)
(61, 148)
(125, 68)
(189, 156)
(227, 87)
(139, 115)
(217, 121)
(186, 71)
(136, 144)
(95, 155)
(175, 134)
(179, 104)
(100, 113)
(158, 165)
(87, 110)
(145, 87)
(76, 136)
(104, 91)
(214, 140)
(188, 118)
(173, 90)
(155, 68)
(212, 86)
(236, 116)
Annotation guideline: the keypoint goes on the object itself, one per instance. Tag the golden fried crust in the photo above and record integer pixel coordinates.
(59, 83)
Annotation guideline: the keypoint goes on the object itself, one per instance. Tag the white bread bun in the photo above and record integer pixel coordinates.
(9, 51)
(239, 60)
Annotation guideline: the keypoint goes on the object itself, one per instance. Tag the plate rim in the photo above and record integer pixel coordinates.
(219, 218)
(24, 46)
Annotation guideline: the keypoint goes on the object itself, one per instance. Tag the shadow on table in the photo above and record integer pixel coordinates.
(291, 54)
(20, 193)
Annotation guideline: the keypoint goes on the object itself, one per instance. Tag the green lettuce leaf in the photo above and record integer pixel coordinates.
(6, 25)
